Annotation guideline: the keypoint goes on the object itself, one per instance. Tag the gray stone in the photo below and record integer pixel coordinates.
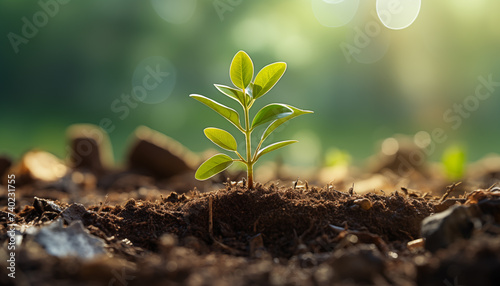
(442, 229)
(73, 240)
(75, 212)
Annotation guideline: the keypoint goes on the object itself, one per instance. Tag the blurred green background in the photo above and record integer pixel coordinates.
(81, 57)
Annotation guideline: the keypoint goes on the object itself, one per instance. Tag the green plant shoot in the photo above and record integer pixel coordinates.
(453, 160)
(246, 91)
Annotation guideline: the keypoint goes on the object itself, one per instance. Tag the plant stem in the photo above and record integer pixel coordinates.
(249, 162)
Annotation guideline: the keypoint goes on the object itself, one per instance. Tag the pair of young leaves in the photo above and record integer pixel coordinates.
(245, 93)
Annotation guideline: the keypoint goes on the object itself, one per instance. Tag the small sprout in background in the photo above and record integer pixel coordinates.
(245, 91)
(453, 160)
(336, 157)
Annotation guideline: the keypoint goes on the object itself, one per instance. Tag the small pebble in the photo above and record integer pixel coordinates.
(364, 203)
(415, 244)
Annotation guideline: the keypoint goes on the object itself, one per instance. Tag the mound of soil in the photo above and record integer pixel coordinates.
(85, 223)
(265, 236)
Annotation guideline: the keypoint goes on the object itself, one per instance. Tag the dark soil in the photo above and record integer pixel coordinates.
(265, 236)
(143, 227)
(287, 219)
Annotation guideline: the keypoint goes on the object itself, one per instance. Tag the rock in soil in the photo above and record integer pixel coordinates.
(73, 240)
(38, 166)
(442, 229)
(159, 155)
(74, 212)
(467, 262)
(90, 149)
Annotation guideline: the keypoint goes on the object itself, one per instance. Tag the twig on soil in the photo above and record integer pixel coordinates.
(210, 216)
(491, 188)
(312, 224)
(405, 190)
(351, 190)
(449, 189)
(336, 228)
(409, 235)
(361, 236)
(103, 204)
(225, 247)
(211, 229)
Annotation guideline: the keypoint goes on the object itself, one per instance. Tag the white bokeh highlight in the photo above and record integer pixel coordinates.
(334, 13)
(398, 14)
(175, 11)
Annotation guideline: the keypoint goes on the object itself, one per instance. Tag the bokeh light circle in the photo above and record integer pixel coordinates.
(422, 139)
(334, 13)
(398, 14)
(390, 146)
(175, 11)
(153, 80)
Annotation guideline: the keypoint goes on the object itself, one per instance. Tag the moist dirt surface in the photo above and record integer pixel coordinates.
(86, 221)
(270, 235)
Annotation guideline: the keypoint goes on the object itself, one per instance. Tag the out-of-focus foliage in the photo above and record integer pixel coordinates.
(82, 65)
(453, 160)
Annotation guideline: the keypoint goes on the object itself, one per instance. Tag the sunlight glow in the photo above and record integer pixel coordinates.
(334, 13)
(390, 146)
(398, 14)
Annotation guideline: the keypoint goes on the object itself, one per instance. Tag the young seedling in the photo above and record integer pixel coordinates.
(454, 160)
(245, 91)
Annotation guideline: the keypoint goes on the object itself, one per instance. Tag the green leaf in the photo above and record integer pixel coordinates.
(273, 147)
(232, 93)
(267, 78)
(213, 166)
(228, 113)
(278, 122)
(271, 112)
(241, 70)
(221, 138)
(250, 99)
